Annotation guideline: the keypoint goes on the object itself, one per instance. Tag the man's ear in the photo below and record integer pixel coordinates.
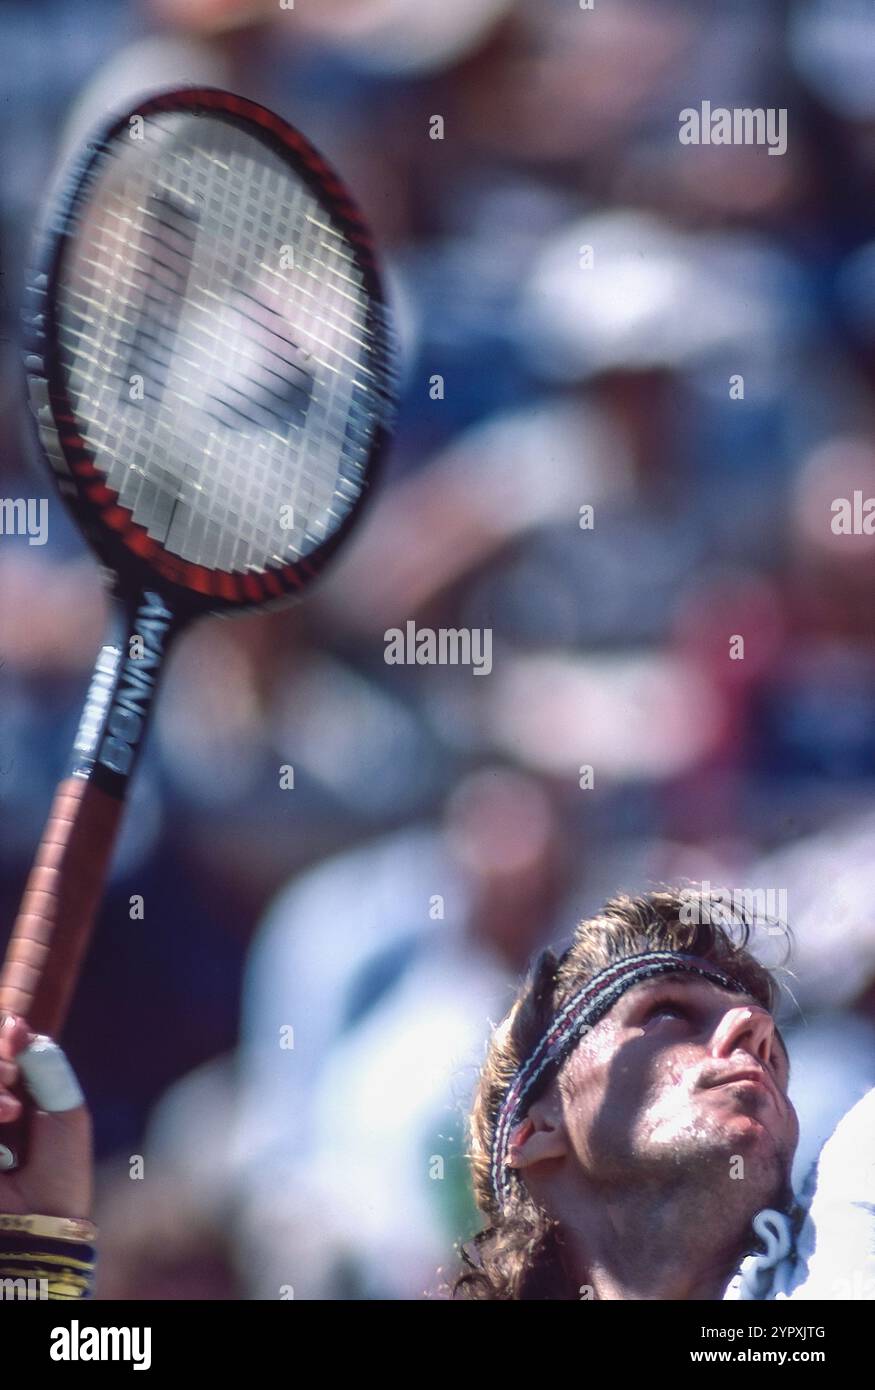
(541, 1136)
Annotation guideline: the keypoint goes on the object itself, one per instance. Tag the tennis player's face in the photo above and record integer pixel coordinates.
(682, 1072)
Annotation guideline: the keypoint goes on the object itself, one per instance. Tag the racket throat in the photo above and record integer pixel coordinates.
(122, 691)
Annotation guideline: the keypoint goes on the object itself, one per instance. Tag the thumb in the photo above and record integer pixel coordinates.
(49, 1077)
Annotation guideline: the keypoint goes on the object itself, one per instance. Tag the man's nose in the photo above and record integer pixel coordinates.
(749, 1027)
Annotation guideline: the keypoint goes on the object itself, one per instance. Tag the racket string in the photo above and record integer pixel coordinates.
(250, 409)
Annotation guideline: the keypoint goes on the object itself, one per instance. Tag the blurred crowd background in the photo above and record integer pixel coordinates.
(290, 1036)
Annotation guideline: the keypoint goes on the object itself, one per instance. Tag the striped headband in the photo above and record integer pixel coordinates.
(591, 1002)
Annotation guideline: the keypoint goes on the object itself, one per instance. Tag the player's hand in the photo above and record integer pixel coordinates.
(57, 1178)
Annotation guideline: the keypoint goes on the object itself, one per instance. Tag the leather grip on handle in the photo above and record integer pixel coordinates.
(60, 903)
(54, 924)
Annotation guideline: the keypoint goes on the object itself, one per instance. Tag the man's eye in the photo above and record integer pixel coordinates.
(667, 1007)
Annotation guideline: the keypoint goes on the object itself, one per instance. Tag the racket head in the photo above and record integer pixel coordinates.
(268, 390)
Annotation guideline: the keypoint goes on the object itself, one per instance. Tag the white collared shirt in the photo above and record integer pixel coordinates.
(834, 1254)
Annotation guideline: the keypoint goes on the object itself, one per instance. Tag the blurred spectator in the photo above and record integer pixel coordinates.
(369, 994)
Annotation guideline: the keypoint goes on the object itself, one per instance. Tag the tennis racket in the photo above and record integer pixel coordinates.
(210, 370)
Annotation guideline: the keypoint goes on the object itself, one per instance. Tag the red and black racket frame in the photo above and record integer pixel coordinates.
(143, 578)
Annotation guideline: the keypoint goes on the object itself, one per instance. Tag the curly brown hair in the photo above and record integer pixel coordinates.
(518, 1253)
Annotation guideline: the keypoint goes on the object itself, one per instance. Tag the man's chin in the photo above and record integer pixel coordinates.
(719, 1138)
(747, 1151)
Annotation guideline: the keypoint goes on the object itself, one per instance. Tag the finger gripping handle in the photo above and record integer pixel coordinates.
(15, 1136)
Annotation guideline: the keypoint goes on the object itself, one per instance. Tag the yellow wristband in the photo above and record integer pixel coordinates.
(70, 1228)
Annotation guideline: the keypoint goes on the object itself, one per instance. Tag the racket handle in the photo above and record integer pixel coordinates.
(60, 902)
